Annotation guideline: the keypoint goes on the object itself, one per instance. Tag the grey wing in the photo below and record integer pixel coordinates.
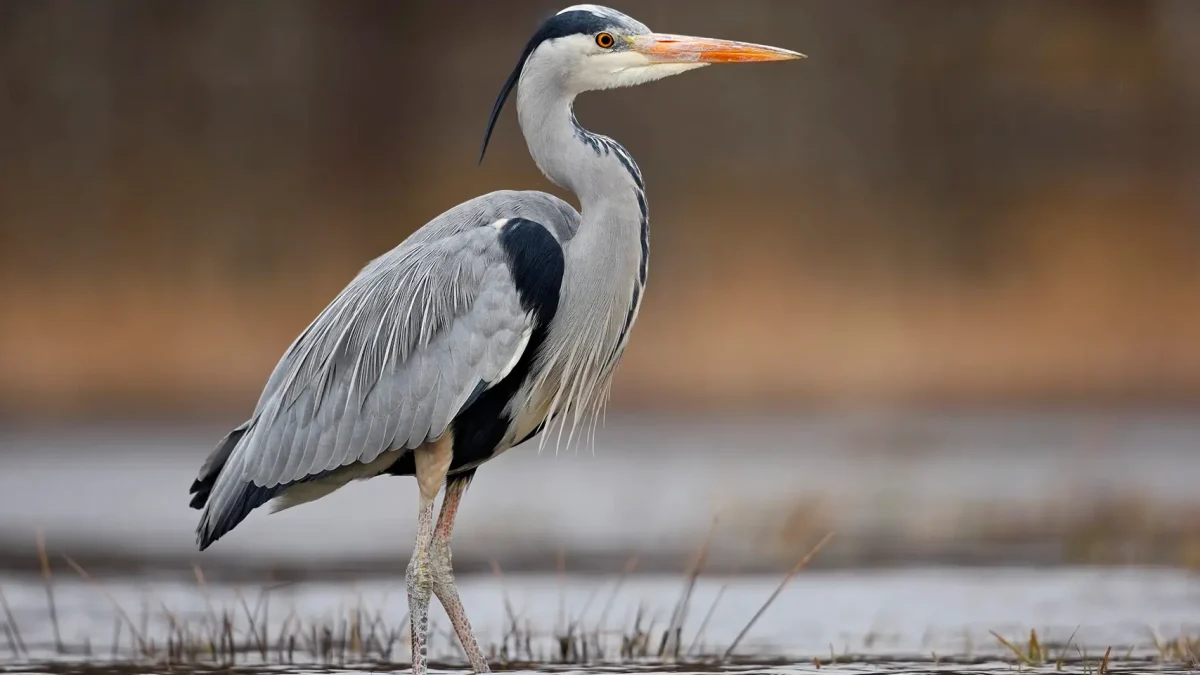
(387, 365)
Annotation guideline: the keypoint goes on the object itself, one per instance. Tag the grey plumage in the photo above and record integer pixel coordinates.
(390, 360)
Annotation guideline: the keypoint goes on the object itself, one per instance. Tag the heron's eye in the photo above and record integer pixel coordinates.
(605, 40)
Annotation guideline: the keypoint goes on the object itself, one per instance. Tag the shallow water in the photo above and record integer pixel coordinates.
(898, 489)
(652, 488)
(914, 620)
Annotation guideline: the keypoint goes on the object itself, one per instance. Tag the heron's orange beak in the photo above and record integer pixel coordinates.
(664, 48)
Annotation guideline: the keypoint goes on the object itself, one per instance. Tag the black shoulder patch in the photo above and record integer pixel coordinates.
(576, 22)
(535, 260)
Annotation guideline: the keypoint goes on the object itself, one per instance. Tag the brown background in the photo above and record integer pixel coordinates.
(948, 201)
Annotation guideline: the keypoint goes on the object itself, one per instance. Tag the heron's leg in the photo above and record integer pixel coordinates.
(432, 462)
(443, 572)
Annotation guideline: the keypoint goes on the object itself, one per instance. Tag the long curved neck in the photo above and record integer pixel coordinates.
(612, 194)
(609, 254)
(596, 168)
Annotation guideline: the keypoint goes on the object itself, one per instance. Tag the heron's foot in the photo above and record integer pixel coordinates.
(419, 578)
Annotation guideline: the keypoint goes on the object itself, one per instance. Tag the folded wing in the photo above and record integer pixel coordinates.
(386, 366)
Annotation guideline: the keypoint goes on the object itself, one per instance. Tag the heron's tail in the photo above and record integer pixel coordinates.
(207, 478)
(222, 512)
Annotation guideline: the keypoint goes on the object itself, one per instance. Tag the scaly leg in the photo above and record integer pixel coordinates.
(432, 462)
(443, 572)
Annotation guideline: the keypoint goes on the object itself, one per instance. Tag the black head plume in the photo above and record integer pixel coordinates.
(576, 22)
(504, 92)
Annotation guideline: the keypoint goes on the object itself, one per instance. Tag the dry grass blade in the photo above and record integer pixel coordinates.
(12, 644)
(48, 580)
(783, 584)
(251, 619)
(1104, 662)
(14, 631)
(1021, 657)
(204, 591)
(133, 629)
(116, 639)
(211, 616)
(504, 593)
(1187, 650)
(1063, 654)
(712, 609)
(587, 605)
(1036, 654)
(376, 625)
(560, 622)
(672, 637)
(630, 566)
(1087, 668)
(264, 603)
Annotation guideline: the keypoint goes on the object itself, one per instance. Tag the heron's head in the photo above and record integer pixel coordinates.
(589, 47)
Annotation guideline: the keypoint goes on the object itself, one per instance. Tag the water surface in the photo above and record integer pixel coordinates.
(928, 616)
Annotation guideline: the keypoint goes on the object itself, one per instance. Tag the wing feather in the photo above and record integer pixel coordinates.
(341, 382)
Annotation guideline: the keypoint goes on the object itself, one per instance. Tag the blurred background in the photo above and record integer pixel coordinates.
(934, 288)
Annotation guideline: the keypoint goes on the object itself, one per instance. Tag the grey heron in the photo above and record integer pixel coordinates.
(501, 316)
